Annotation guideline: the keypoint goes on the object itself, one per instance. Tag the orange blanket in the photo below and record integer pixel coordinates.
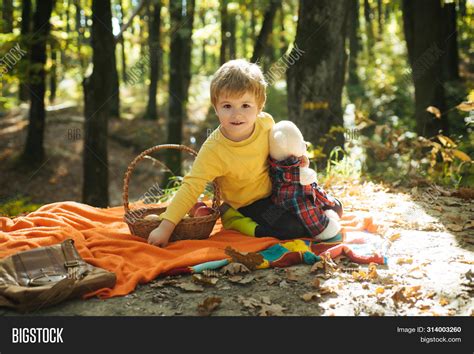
(104, 240)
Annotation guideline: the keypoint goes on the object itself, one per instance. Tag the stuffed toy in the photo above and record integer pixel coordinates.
(294, 184)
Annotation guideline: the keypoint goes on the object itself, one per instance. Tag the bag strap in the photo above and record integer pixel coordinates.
(73, 259)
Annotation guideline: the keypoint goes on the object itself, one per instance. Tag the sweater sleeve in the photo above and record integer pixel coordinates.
(205, 169)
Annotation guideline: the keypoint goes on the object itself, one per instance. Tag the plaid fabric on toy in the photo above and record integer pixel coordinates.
(306, 202)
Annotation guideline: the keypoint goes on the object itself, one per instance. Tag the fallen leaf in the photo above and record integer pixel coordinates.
(209, 305)
(373, 271)
(430, 295)
(469, 225)
(324, 290)
(310, 296)
(290, 275)
(199, 278)
(317, 266)
(465, 193)
(443, 301)
(251, 259)
(248, 302)
(271, 310)
(435, 111)
(191, 287)
(239, 279)
(394, 237)
(399, 296)
(365, 286)
(379, 290)
(316, 283)
(401, 261)
(266, 300)
(454, 227)
(234, 268)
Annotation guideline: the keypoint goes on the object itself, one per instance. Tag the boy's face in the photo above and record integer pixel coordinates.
(237, 115)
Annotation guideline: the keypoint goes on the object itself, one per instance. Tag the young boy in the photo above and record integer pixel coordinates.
(235, 155)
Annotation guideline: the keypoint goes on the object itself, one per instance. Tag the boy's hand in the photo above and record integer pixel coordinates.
(160, 236)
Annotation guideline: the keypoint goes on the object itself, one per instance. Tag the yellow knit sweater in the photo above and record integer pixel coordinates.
(239, 168)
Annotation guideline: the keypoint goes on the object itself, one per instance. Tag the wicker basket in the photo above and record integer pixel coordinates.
(196, 228)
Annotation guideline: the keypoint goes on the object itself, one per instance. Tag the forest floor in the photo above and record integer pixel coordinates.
(430, 233)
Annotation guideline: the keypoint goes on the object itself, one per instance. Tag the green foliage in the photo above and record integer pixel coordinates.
(17, 206)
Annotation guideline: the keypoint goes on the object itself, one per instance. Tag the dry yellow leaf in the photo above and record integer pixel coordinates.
(394, 237)
(446, 141)
(372, 271)
(310, 296)
(379, 290)
(435, 111)
(461, 155)
(404, 261)
(443, 301)
(316, 283)
(466, 106)
(251, 260)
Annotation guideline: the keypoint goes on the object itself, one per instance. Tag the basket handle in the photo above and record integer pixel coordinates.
(132, 165)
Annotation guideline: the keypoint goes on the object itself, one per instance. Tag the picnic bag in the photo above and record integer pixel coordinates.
(44, 276)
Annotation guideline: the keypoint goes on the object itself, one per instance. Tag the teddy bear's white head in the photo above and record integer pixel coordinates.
(286, 140)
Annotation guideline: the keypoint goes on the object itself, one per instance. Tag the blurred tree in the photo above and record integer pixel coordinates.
(154, 24)
(224, 56)
(34, 146)
(424, 43)
(354, 42)
(7, 16)
(369, 28)
(316, 72)
(182, 14)
(262, 41)
(380, 13)
(53, 70)
(450, 63)
(97, 93)
(23, 91)
(122, 43)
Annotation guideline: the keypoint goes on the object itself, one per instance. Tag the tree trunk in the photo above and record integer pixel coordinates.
(369, 28)
(122, 44)
(450, 63)
(316, 72)
(7, 16)
(232, 35)
(425, 57)
(53, 72)
(380, 18)
(202, 15)
(179, 49)
(188, 26)
(97, 91)
(154, 21)
(34, 146)
(354, 44)
(25, 44)
(224, 32)
(115, 98)
(79, 31)
(265, 31)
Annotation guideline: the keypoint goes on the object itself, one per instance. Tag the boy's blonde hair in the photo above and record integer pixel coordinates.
(237, 77)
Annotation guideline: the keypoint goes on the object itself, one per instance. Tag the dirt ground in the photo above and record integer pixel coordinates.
(429, 233)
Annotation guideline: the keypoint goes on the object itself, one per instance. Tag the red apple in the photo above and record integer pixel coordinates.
(192, 212)
(203, 211)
